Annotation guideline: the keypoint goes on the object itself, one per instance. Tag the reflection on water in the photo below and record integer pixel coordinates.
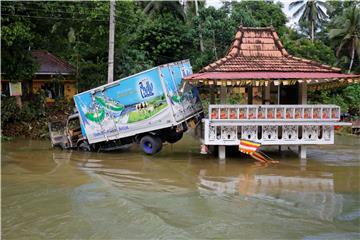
(179, 193)
(305, 194)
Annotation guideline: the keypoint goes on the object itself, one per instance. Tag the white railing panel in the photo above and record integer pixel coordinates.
(271, 124)
(274, 112)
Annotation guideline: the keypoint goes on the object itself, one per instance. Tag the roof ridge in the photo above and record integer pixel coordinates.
(278, 42)
(314, 62)
(56, 59)
(61, 61)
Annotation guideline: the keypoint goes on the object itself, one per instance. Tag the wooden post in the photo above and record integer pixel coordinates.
(212, 94)
(250, 94)
(302, 93)
(223, 93)
(266, 97)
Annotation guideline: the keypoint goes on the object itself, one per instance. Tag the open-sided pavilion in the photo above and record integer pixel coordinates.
(258, 63)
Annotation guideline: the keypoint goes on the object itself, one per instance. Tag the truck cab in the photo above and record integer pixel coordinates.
(68, 136)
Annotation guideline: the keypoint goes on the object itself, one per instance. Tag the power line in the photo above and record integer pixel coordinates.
(47, 11)
(58, 18)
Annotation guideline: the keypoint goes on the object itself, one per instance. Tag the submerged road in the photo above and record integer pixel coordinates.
(179, 193)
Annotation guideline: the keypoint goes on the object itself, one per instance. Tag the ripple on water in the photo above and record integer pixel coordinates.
(178, 194)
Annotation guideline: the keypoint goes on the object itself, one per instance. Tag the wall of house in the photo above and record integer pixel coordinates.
(70, 90)
(65, 88)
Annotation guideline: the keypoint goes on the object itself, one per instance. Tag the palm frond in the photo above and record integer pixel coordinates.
(336, 33)
(342, 44)
(321, 14)
(295, 4)
(323, 4)
(299, 11)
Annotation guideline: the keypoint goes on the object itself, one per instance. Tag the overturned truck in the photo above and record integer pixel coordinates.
(147, 108)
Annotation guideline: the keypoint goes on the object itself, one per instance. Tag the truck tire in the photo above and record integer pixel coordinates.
(151, 144)
(84, 147)
(173, 136)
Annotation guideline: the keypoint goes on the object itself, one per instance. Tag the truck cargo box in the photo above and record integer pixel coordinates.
(154, 99)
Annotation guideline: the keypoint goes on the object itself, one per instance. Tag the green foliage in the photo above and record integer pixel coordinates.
(164, 39)
(348, 98)
(16, 38)
(259, 14)
(352, 96)
(31, 110)
(345, 32)
(305, 48)
(9, 110)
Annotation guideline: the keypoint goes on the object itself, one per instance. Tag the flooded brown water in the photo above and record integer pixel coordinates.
(179, 194)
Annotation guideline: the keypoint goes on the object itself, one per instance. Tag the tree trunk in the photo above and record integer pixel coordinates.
(215, 51)
(352, 55)
(312, 31)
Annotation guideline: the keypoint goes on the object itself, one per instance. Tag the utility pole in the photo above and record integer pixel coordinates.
(200, 34)
(111, 42)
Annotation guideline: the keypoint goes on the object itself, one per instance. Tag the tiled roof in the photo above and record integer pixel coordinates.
(268, 75)
(51, 64)
(260, 49)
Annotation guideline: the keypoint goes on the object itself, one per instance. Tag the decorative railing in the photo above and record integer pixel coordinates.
(271, 124)
(274, 112)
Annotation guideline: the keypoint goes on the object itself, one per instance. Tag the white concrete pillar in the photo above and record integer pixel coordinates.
(267, 97)
(302, 152)
(222, 152)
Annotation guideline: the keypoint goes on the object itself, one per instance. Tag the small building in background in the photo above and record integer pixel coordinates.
(54, 76)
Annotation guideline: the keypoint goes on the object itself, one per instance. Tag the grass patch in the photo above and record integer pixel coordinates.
(140, 116)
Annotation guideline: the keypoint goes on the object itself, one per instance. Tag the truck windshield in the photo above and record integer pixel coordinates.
(74, 123)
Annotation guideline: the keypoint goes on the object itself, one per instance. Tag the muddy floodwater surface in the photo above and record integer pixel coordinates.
(54, 194)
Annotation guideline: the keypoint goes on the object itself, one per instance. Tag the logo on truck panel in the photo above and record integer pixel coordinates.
(146, 88)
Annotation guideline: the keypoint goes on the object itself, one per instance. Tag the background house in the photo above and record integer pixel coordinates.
(54, 75)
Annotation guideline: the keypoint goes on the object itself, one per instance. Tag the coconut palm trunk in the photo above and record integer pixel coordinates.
(352, 54)
(312, 31)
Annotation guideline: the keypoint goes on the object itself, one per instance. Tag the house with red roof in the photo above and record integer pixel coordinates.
(54, 76)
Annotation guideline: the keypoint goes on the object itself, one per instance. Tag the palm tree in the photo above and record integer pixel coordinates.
(347, 31)
(156, 6)
(311, 11)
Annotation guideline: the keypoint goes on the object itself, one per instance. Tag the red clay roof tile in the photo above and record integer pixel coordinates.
(260, 49)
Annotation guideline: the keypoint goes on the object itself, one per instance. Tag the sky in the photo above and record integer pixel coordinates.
(291, 21)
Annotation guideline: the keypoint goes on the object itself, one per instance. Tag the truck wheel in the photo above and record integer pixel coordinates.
(173, 136)
(84, 147)
(151, 144)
